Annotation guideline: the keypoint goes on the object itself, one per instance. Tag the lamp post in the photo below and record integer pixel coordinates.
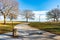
(39, 18)
(13, 28)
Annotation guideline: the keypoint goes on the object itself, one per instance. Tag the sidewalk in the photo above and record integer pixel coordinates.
(25, 27)
(23, 31)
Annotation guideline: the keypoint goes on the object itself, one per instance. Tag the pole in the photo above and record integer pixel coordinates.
(39, 18)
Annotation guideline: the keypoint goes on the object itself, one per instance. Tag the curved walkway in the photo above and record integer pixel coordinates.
(26, 32)
(25, 27)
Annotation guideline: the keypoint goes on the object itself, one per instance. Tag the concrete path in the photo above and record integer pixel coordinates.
(26, 32)
(25, 27)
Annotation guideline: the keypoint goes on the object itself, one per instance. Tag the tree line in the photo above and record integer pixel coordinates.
(9, 9)
(54, 14)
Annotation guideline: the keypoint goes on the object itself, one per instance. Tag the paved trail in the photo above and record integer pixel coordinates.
(26, 32)
(25, 27)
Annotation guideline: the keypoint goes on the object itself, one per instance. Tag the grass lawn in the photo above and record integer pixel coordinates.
(7, 27)
(52, 27)
(46, 26)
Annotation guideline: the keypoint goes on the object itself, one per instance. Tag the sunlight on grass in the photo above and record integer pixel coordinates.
(7, 27)
(47, 26)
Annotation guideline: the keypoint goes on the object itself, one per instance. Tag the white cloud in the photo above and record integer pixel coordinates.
(42, 15)
(40, 12)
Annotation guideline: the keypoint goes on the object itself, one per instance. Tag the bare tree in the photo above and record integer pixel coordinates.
(54, 14)
(7, 6)
(28, 14)
(12, 16)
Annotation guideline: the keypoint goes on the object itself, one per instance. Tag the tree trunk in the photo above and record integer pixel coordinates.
(4, 19)
(10, 19)
(12, 27)
(26, 19)
(54, 19)
(14, 30)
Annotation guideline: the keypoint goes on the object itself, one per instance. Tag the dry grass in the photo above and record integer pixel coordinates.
(53, 27)
(7, 27)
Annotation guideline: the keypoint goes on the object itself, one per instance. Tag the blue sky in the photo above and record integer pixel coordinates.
(36, 5)
(39, 8)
